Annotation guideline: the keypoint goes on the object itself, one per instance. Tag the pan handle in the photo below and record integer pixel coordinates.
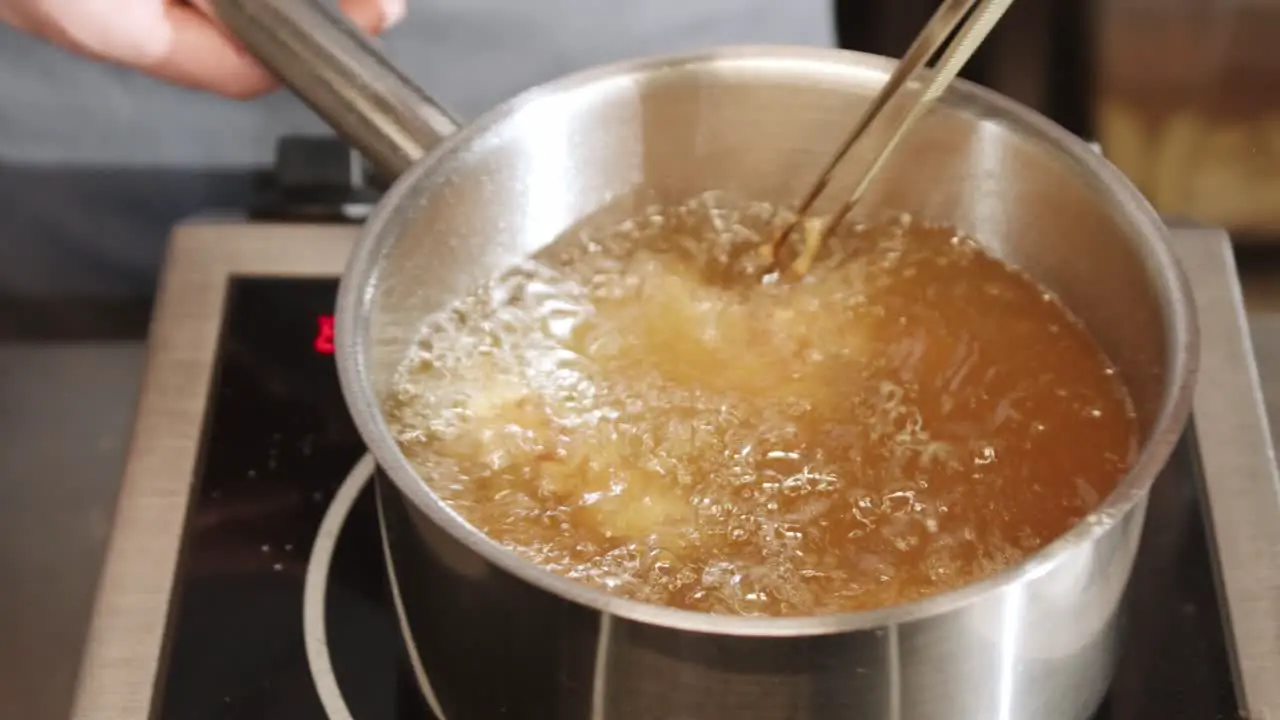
(343, 76)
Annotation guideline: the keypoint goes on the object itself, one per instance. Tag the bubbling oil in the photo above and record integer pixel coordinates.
(637, 411)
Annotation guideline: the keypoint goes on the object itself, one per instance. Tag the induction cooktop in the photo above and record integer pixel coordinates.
(246, 578)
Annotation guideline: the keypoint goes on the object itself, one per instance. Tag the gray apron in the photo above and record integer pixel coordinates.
(97, 163)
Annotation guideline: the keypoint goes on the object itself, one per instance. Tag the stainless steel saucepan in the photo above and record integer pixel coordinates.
(499, 637)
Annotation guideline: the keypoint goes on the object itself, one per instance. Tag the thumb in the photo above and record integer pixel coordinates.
(200, 55)
(205, 56)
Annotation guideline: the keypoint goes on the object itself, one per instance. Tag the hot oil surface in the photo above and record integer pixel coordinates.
(638, 412)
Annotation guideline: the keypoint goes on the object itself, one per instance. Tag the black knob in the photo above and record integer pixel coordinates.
(315, 179)
(317, 163)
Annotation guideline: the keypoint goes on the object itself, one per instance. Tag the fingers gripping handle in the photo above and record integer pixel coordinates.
(343, 76)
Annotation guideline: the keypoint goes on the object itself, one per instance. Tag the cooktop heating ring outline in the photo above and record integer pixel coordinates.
(315, 633)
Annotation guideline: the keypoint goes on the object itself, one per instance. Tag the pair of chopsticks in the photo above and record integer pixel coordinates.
(938, 35)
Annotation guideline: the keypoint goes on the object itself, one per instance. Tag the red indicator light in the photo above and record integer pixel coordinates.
(324, 335)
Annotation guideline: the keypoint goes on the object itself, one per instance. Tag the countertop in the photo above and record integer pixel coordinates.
(66, 412)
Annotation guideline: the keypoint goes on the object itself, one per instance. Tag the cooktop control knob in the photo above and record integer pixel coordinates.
(315, 179)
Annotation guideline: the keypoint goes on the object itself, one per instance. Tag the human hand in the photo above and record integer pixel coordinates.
(179, 41)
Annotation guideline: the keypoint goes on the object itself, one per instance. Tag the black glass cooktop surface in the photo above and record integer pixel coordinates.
(278, 445)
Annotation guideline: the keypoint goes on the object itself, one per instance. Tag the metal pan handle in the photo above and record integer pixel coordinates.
(343, 76)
